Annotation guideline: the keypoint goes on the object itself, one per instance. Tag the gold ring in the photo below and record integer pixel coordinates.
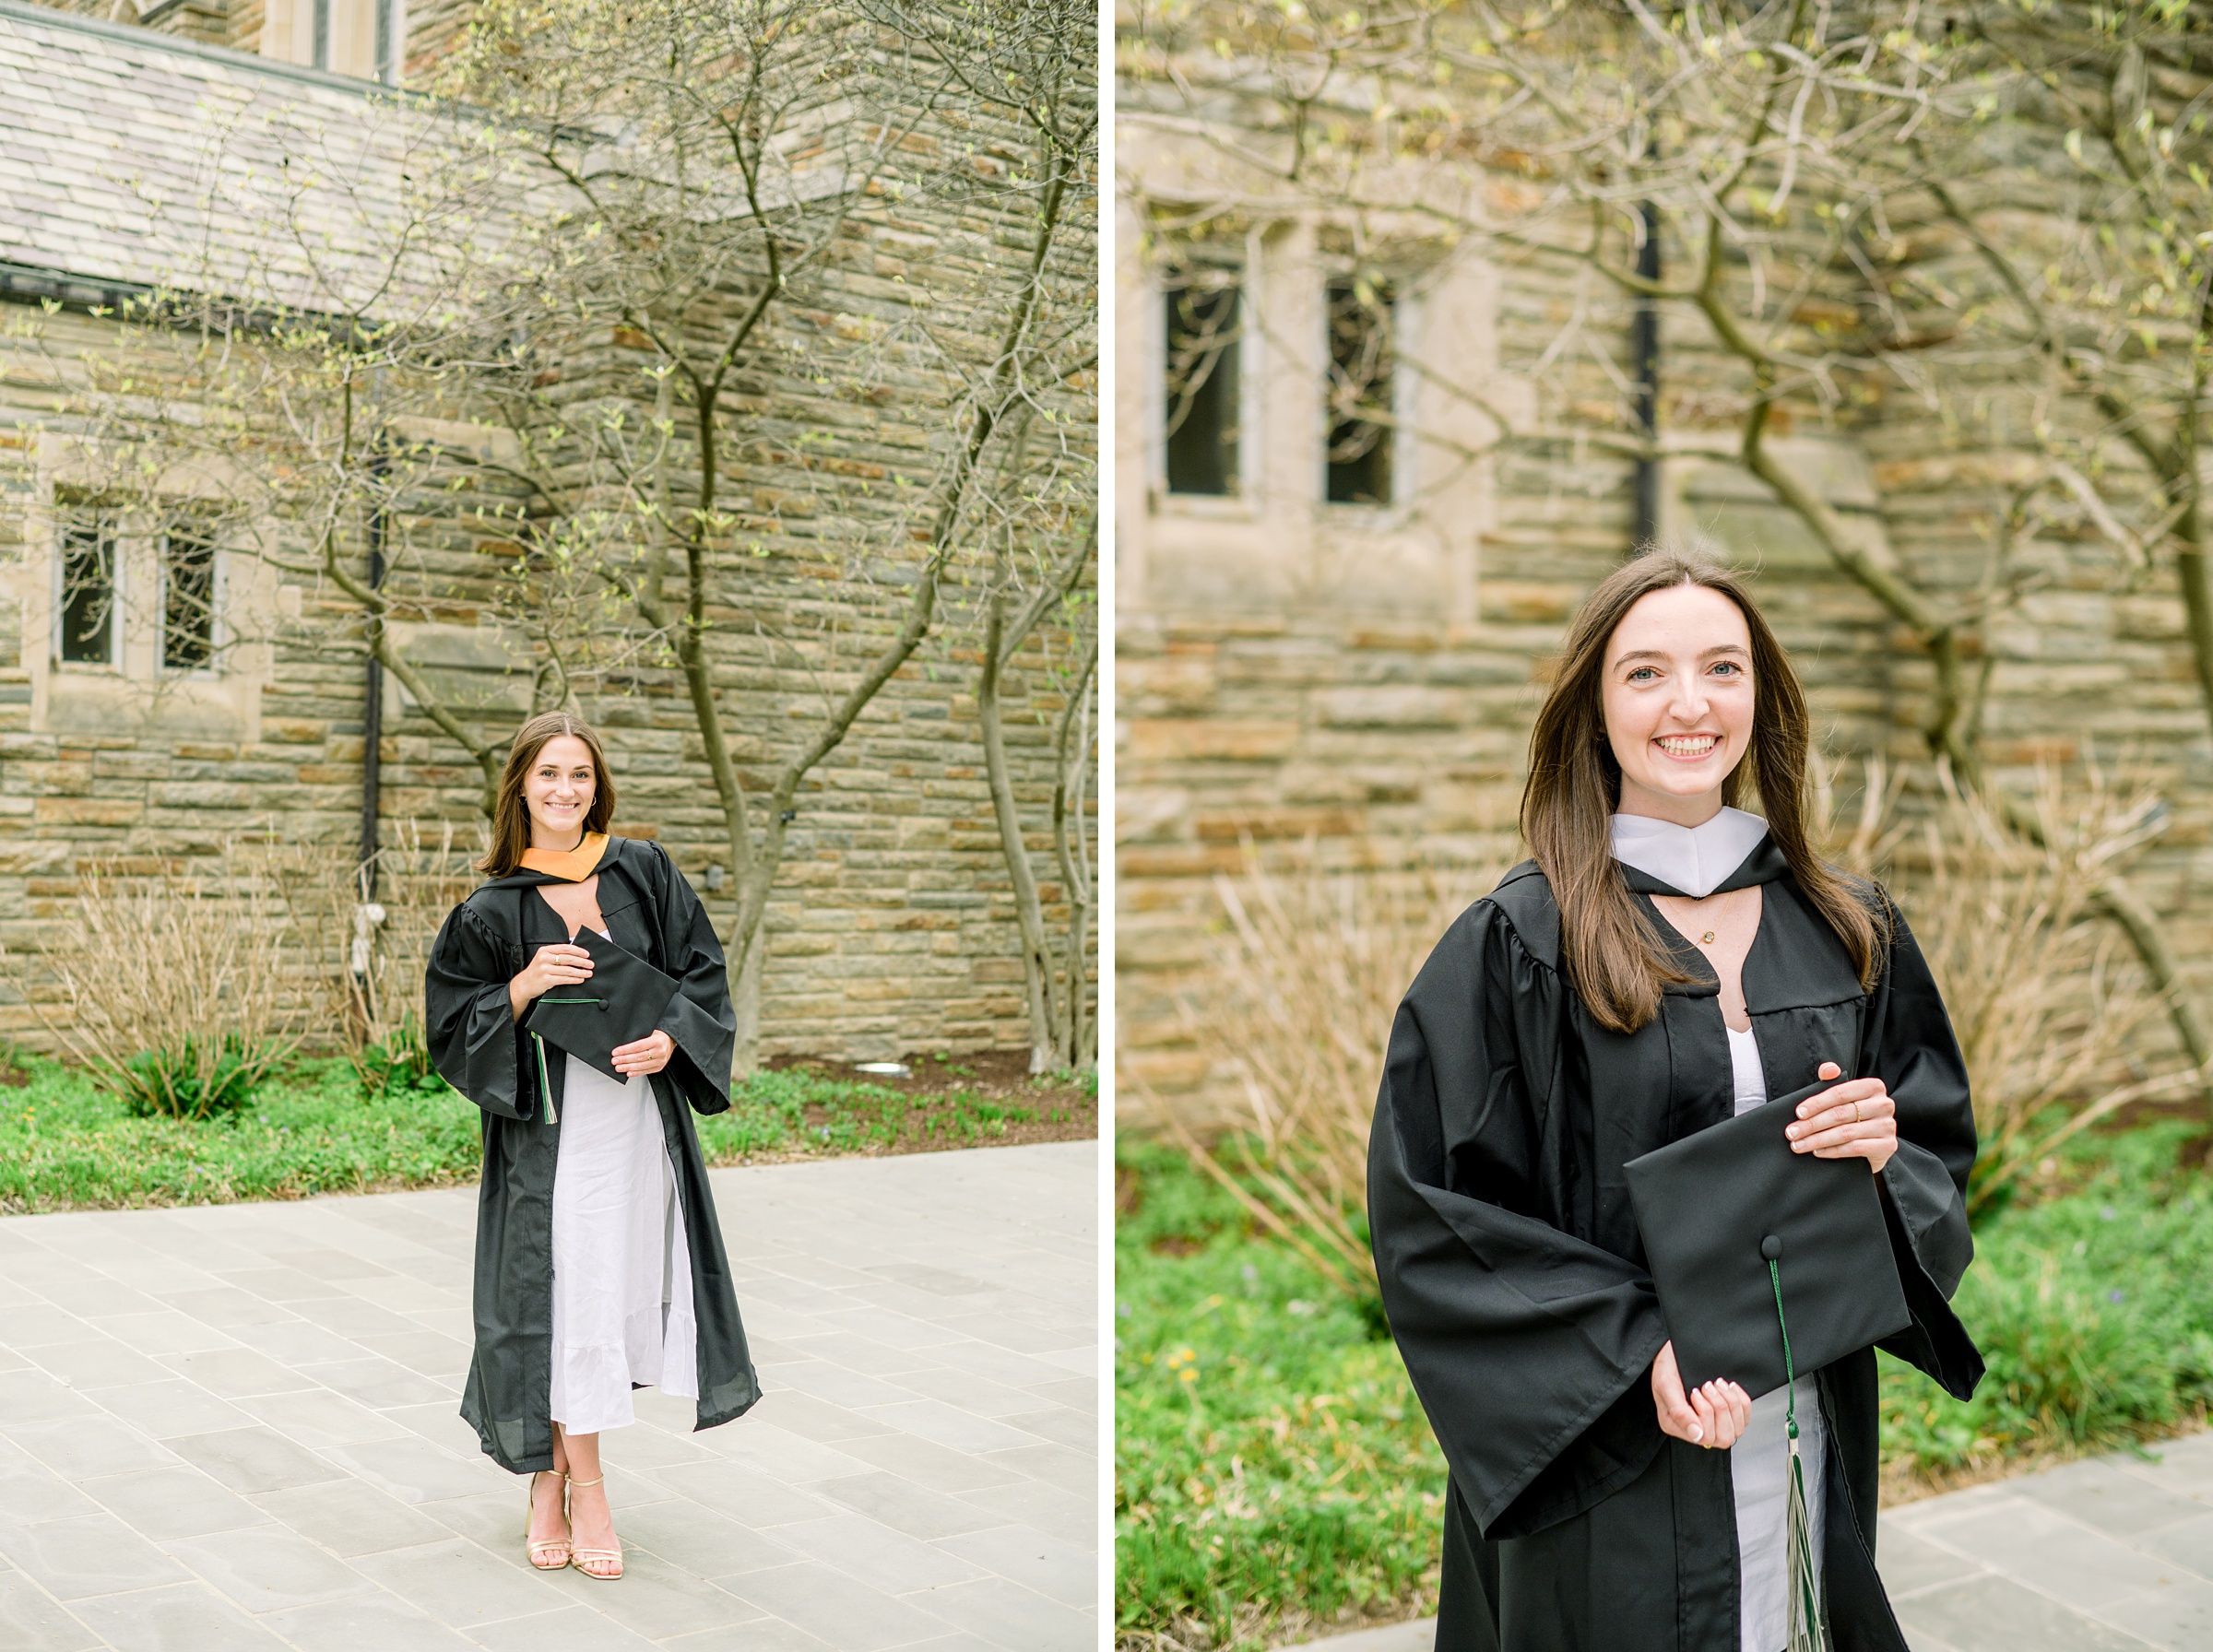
(1855, 1113)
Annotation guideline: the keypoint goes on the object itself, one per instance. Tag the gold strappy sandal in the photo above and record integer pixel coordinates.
(537, 1545)
(578, 1556)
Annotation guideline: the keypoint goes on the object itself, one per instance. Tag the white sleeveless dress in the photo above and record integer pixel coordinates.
(1759, 1462)
(621, 1268)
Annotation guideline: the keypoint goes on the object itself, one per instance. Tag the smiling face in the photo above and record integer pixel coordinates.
(558, 792)
(1678, 701)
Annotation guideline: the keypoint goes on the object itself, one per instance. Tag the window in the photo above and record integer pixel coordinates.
(365, 38)
(1201, 403)
(187, 600)
(1361, 317)
(87, 605)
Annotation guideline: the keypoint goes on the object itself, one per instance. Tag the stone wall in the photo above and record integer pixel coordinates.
(893, 928)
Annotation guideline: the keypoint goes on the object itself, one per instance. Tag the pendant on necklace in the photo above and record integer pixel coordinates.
(1706, 940)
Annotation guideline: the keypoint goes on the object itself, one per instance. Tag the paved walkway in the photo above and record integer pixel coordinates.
(2112, 1554)
(233, 1428)
(2115, 1554)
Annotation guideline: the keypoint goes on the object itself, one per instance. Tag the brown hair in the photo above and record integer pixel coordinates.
(510, 815)
(1613, 959)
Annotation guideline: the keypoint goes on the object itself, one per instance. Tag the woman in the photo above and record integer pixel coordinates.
(583, 1291)
(1664, 960)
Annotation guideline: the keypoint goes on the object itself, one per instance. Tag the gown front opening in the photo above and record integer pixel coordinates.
(1695, 859)
(622, 1271)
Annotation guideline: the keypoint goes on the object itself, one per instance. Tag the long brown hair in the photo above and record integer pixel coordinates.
(510, 815)
(1613, 959)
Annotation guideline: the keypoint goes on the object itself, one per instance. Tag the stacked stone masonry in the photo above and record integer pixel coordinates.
(891, 928)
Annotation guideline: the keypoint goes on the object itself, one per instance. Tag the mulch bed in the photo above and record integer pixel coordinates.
(998, 1075)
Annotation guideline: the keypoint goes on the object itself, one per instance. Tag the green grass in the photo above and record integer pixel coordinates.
(1269, 1456)
(64, 1144)
(1273, 1468)
(2094, 1313)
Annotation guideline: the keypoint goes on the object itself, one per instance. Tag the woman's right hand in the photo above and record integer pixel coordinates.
(1713, 1415)
(559, 964)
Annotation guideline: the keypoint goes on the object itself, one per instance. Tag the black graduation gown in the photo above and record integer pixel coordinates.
(1515, 1281)
(650, 910)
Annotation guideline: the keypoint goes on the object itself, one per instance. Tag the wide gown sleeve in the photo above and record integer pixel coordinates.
(1911, 1048)
(1528, 1347)
(468, 1021)
(701, 1018)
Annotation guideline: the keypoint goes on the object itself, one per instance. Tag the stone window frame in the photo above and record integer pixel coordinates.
(1265, 259)
(365, 40)
(136, 636)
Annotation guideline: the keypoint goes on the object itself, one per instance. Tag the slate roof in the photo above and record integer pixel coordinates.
(130, 159)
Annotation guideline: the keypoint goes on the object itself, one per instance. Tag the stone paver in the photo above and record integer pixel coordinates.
(236, 1427)
(2112, 1554)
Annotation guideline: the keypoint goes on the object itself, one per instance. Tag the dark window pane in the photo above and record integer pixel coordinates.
(1202, 390)
(88, 593)
(187, 602)
(1360, 329)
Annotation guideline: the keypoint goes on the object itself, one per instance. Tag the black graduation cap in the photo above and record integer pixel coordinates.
(1749, 1242)
(620, 1004)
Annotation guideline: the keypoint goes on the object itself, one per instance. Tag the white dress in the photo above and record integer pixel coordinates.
(1760, 1462)
(621, 1268)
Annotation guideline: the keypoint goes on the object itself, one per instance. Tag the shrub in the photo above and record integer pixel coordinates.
(364, 956)
(2045, 994)
(400, 1061)
(173, 1081)
(1310, 968)
(67, 1143)
(174, 983)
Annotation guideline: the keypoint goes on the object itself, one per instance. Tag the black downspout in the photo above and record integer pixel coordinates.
(1644, 345)
(373, 707)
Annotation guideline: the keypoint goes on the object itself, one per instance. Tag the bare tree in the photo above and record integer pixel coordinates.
(718, 168)
(2108, 318)
(1027, 62)
(1053, 987)
(1075, 757)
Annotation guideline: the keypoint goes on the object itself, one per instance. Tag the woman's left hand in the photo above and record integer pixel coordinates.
(649, 1055)
(1857, 1120)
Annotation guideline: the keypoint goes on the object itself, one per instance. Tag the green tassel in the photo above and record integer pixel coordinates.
(1807, 1633)
(545, 1085)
